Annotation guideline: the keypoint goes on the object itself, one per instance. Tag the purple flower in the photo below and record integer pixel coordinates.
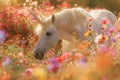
(54, 61)
(6, 61)
(83, 63)
(53, 64)
(83, 60)
(2, 36)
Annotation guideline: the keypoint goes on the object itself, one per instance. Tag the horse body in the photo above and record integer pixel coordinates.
(73, 20)
(98, 15)
(63, 25)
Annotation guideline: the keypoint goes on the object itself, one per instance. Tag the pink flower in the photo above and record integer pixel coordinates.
(20, 54)
(28, 72)
(66, 55)
(78, 55)
(104, 21)
(110, 31)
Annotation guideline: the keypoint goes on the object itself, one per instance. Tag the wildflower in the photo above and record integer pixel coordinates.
(28, 72)
(88, 33)
(101, 38)
(53, 64)
(6, 61)
(65, 5)
(82, 62)
(78, 55)
(39, 74)
(110, 31)
(61, 59)
(20, 54)
(66, 55)
(2, 36)
(104, 21)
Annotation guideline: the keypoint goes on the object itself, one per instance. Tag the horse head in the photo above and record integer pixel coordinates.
(47, 38)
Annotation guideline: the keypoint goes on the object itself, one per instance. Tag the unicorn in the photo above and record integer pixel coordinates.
(61, 26)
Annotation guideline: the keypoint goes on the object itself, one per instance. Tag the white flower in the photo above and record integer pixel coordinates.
(101, 38)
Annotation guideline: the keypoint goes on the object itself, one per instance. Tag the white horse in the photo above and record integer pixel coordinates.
(62, 25)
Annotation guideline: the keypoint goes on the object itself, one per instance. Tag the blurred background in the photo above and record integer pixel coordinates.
(112, 5)
(16, 20)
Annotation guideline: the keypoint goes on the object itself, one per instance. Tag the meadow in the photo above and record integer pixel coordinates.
(86, 61)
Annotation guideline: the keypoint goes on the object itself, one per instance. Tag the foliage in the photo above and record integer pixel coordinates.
(14, 21)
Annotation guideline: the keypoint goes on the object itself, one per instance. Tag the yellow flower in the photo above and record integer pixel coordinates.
(39, 74)
(88, 33)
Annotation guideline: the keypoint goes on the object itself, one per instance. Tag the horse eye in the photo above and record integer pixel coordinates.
(48, 33)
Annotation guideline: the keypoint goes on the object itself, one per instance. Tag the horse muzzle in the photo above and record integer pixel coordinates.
(38, 54)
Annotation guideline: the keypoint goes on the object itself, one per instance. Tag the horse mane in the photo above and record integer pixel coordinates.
(72, 16)
(75, 19)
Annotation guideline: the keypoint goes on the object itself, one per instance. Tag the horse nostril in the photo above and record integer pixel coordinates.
(37, 54)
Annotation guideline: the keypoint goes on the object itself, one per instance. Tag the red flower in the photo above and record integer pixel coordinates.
(65, 4)
(61, 59)
(66, 55)
(23, 26)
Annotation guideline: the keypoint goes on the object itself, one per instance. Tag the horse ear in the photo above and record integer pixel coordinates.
(53, 18)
